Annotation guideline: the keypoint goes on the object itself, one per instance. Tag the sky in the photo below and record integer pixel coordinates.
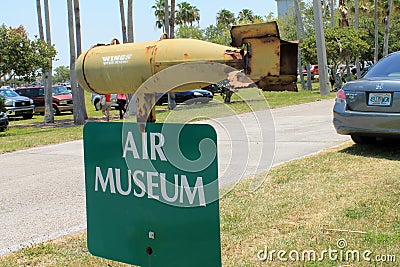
(100, 20)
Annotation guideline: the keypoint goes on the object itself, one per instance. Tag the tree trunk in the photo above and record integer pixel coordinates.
(48, 81)
(40, 20)
(78, 118)
(387, 28)
(123, 24)
(171, 95)
(80, 113)
(321, 49)
(172, 21)
(166, 17)
(376, 33)
(299, 37)
(303, 36)
(356, 26)
(130, 21)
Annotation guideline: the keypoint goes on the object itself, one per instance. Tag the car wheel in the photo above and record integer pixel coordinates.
(362, 140)
(56, 111)
(97, 104)
(27, 116)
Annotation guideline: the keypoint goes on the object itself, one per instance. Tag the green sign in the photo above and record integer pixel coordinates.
(152, 195)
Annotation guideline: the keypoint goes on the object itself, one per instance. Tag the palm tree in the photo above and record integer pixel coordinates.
(40, 20)
(78, 116)
(225, 17)
(246, 15)
(123, 23)
(187, 14)
(171, 95)
(301, 35)
(159, 13)
(48, 84)
(172, 20)
(80, 113)
(166, 17)
(47, 80)
(321, 49)
(130, 21)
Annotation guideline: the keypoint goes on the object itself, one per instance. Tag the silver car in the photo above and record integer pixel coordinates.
(369, 108)
(16, 105)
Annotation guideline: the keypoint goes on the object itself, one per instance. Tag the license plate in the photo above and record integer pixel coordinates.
(379, 99)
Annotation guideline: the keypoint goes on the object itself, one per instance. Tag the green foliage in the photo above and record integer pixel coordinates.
(287, 27)
(245, 16)
(218, 34)
(186, 14)
(341, 44)
(225, 17)
(61, 74)
(22, 57)
(159, 13)
(192, 32)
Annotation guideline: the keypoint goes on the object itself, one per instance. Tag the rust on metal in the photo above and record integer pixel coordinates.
(269, 61)
(123, 68)
(149, 50)
(145, 108)
(238, 80)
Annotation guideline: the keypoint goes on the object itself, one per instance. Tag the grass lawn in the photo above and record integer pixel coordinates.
(24, 134)
(348, 194)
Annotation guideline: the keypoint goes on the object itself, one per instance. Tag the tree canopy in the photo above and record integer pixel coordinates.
(61, 74)
(220, 32)
(342, 44)
(22, 57)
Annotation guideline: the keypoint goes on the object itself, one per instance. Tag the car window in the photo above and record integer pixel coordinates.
(387, 67)
(8, 93)
(60, 90)
(29, 92)
(41, 92)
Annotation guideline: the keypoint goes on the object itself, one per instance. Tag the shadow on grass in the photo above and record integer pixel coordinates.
(384, 149)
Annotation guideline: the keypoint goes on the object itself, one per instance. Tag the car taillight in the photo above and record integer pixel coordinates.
(341, 95)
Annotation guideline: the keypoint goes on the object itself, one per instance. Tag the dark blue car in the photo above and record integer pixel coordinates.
(189, 97)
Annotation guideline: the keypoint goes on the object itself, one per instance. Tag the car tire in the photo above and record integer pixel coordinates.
(97, 104)
(27, 116)
(362, 140)
(56, 111)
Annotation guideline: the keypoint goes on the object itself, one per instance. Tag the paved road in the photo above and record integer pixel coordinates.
(42, 189)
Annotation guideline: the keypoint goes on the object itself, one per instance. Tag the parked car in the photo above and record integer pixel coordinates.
(313, 70)
(369, 108)
(3, 121)
(192, 96)
(62, 98)
(96, 101)
(16, 105)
